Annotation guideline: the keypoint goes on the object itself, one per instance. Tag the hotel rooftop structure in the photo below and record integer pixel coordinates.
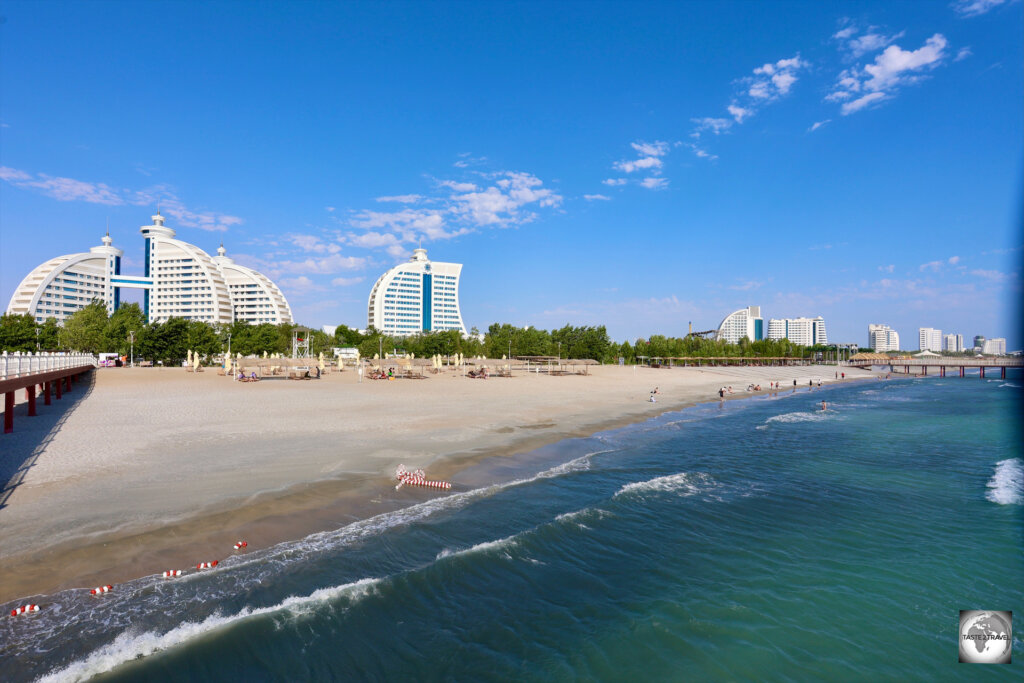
(180, 281)
(417, 296)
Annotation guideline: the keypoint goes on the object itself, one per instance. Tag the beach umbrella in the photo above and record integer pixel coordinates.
(322, 366)
(264, 353)
(341, 365)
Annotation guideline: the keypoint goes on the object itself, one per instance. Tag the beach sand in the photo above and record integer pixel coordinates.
(148, 469)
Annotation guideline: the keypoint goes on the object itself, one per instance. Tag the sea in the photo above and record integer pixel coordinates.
(757, 539)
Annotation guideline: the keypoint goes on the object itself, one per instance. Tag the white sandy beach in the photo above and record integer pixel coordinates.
(150, 450)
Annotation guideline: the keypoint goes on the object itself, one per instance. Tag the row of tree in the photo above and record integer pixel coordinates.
(92, 330)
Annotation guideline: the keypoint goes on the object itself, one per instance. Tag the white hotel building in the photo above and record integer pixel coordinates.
(417, 296)
(882, 338)
(746, 322)
(180, 281)
(802, 331)
(953, 342)
(929, 339)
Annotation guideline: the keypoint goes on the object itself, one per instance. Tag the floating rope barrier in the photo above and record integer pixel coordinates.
(101, 590)
(240, 545)
(417, 478)
(24, 609)
(207, 565)
(172, 573)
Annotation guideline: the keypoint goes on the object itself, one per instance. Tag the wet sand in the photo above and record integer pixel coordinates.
(159, 468)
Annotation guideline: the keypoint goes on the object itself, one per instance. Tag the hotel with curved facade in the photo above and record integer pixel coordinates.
(417, 296)
(180, 281)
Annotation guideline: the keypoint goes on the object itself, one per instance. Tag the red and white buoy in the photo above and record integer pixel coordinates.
(172, 573)
(240, 545)
(100, 590)
(24, 609)
(206, 565)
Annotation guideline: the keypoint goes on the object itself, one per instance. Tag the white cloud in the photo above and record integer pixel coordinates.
(953, 260)
(372, 240)
(650, 149)
(993, 275)
(819, 124)
(346, 281)
(312, 243)
(69, 190)
(747, 286)
(887, 269)
(650, 153)
(326, 265)
(63, 189)
(299, 284)
(933, 266)
(329, 209)
(457, 186)
(773, 80)
(654, 183)
(592, 197)
(962, 54)
(861, 102)
(716, 126)
(880, 80)
(974, 8)
(401, 198)
(739, 113)
(614, 181)
(701, 153)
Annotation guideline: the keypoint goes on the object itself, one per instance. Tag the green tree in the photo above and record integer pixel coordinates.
(84, 329)
(49, 335)
(18, 333)
(202, 338)
(127, 318)
(346, 336)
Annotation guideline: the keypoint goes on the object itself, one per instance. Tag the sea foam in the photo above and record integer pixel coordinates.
(685, 483)
(129, 646)
(1006, 486)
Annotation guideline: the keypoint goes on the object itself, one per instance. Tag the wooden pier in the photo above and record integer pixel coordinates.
(53, 374)
(941, 364)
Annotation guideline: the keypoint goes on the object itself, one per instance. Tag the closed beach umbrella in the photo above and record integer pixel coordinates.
(195, 362)
(341, 365)
(227, 365)
(323, 367)
(264, 353)
(190, 356)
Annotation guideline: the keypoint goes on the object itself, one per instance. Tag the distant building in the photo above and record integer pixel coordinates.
(953, 342)
(746, 322)
(417, 296)
(929, 339)
(882, 338)
(994, 347)
(180, 280)
(979, 342)
(803, 331)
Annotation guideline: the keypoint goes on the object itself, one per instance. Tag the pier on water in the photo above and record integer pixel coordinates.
(51, 374)
(941, 364)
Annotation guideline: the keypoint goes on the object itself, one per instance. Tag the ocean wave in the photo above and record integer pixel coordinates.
(685, 483)
(1010, 384)
(129, 646)
(486, 546)
(789, 418)
(1006, 486)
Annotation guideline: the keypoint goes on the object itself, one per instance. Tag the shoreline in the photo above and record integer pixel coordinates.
(270, 516)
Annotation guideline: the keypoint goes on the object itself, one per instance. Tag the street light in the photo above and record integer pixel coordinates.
(131, 336)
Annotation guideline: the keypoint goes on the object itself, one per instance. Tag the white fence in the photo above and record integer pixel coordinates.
(23, 364)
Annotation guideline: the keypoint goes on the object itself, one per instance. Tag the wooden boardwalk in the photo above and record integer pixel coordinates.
(53, 374)
(941, 364)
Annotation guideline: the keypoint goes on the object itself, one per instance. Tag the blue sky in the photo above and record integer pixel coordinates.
(639, 165)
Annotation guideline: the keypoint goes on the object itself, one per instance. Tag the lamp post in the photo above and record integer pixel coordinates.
(37, 339)
(131, 337)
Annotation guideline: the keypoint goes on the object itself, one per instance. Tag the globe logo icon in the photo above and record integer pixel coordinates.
(985, 637)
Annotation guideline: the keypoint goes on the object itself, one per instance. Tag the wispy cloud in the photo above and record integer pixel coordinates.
(819, 124)
(747, 286)
(993, 275)
(596, 197)
(346, 281)
(613, 182)
(654, 183)
(72, 190)
(650, 154)
(974, 8)
(962, 54)
(300, 284)
(936, 266)
(401, 198)
(859, 87)
(767, 83)
(887, 269)
(869, 40)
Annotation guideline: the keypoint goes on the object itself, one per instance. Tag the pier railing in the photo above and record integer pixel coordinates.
(16, 364)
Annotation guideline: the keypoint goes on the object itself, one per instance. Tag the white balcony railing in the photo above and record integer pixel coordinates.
(23, 364)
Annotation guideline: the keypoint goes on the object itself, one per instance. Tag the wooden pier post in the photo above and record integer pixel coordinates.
(8, 412)
(30, 396)
(46, 393)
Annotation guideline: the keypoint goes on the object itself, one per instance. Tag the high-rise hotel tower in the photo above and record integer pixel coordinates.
(180, 280)
(417, 296)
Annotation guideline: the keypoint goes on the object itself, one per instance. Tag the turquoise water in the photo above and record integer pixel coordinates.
(758, 539)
